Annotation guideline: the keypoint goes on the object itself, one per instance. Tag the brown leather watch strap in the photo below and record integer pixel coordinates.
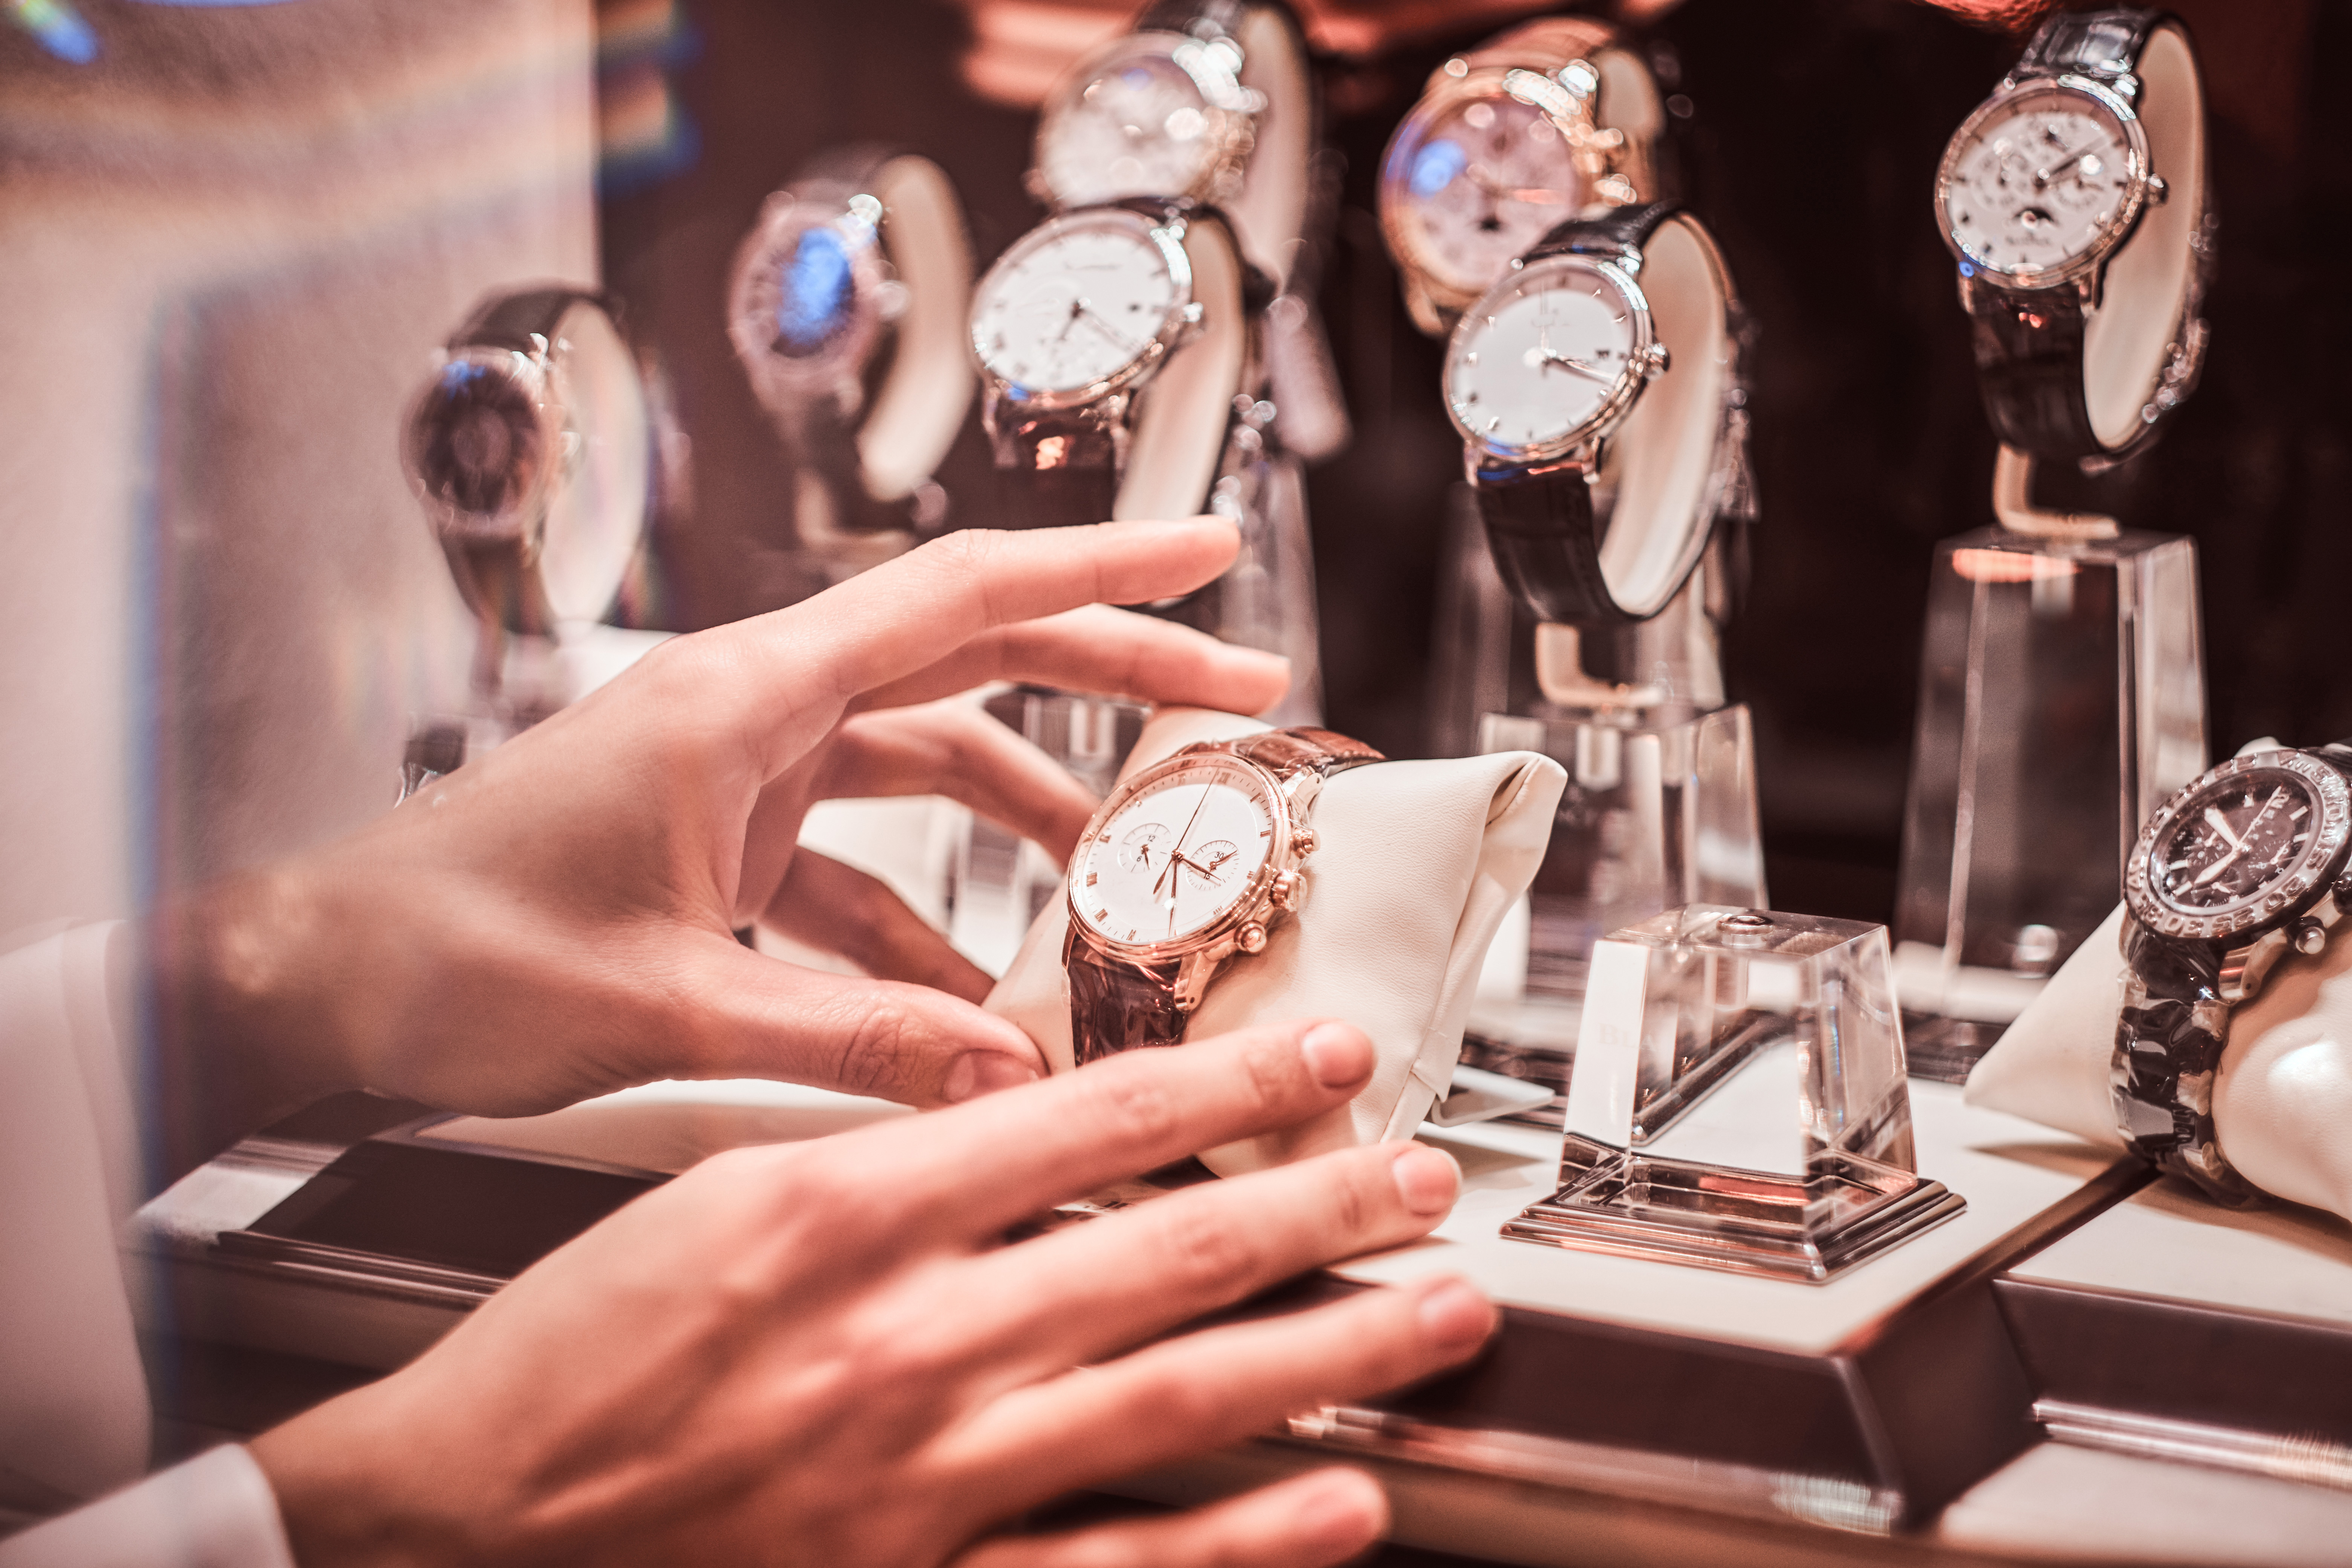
(1286, 752)
(1116, 1006)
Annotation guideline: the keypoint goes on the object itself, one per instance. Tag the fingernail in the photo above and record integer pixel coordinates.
(976, 1073)
(1427, 1179)
(1454, 1316)
(1336, 1056)
(1345, 1511)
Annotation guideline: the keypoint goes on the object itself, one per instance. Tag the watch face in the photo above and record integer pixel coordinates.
(1140, 121)
(1179, 851)
(1473, 183)
(805, 298)
(1081, 304)
(1549, 354)
(2041, 180)
(477, 447)
(2247, 843)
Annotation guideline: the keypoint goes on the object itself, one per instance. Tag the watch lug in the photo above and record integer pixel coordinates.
(2244, 969)
(1194, 972)
(2090, 287)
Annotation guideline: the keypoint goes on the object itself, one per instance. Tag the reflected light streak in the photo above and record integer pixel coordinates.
(57, 28)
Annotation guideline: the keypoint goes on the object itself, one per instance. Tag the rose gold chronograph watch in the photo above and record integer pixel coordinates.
(1185, 865)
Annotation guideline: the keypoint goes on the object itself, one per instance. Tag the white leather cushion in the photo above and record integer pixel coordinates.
(1416, 865)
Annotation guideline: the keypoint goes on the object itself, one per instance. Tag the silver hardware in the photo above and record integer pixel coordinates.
(1748, 927)
(2159, 191)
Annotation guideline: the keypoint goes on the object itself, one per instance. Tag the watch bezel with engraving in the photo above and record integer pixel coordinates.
(1158, 984)
(2188, 966)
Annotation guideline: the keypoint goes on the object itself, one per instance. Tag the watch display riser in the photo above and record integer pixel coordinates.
(2061, 699)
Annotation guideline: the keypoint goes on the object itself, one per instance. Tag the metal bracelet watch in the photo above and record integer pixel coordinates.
(534, 449)
(861, 259)
(1185, 865)
(1605, 361)
(2075, 201)
(1551, 120)
(2244, 865)
(1068, 326)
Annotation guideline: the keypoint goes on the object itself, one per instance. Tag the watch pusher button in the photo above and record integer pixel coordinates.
(2310, 937)
(1284, 894)
(1251, 938)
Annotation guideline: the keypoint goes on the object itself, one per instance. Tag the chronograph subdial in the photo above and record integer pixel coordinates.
(1210, 865)
(1144, 849)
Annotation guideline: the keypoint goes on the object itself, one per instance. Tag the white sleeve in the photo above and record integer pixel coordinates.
(215, 1511)
(74, 1415)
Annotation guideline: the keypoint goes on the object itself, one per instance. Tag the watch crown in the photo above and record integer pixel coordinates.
(1303, 841)
(1284, 894)
(1660, 360)
(1251, 938)
(2159, 192)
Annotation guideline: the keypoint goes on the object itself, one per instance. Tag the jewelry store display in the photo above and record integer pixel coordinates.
(860, 260)
(1538, 124)
(536, 451)
(2062, 685)
(1184, 865)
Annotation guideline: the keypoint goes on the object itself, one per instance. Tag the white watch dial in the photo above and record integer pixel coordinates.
(1137, 125)
(1073, 304)
(1178, 855)
(1535, 360)
(1487, 181)
(2038, 181)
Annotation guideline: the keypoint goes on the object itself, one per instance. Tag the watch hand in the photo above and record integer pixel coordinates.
(1186, 836)
(1105, 328)
(2220, 825)
(2215, 870)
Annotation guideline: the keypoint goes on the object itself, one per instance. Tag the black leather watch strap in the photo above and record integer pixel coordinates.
(1184, 15)
(1609, 236)
(2102, 44)
(513, 320)
(1057, 471)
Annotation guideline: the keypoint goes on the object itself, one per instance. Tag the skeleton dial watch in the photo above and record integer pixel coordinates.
(1552, 119)
(1185, 865)
(2245, 865)
(2074, 201)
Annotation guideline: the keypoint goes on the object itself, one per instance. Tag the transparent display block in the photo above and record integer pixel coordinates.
(2061, 698)
(1740, 1099)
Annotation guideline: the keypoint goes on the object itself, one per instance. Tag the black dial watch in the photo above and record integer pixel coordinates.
(2244, 865)
(2074, 200)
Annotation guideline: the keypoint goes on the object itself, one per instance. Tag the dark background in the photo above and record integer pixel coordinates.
(1808, 133)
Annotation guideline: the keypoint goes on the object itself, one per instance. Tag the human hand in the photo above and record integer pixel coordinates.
(815, 1352)
(554, 920)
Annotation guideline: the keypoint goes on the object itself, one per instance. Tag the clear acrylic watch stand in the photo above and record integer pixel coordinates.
(1740, 1100)
(2061, 698)
(1660, 807)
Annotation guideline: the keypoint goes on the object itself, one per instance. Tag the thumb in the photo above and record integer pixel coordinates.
(882, 1037)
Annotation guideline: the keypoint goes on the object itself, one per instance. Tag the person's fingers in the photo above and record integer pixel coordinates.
(1217, 1387)
(839, 909)
(1307, 1522)
(761, 1017)
(958, 750)
(1116, 1282)
(1103, 649)
(795, 666)
(1079, 1132)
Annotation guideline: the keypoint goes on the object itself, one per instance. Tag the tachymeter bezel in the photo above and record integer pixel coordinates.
(1615, 405)
(751, 293)
(1229, 127)
(2282, 898)
(2128, 214)
(1167, 237)
(1481, 84)
(1249, 901)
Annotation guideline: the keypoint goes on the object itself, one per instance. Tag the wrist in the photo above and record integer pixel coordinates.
(238, 1029)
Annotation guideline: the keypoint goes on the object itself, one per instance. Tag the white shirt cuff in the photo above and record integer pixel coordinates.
(215, 1511)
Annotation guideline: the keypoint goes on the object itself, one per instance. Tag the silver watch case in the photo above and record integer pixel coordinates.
(1182, 322)
(1646, 361)
(784, 381)
(2294, 911)
(2081, 270)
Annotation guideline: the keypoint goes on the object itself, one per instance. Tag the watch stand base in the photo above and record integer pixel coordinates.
(1810, 1227)
(1947, 1050)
